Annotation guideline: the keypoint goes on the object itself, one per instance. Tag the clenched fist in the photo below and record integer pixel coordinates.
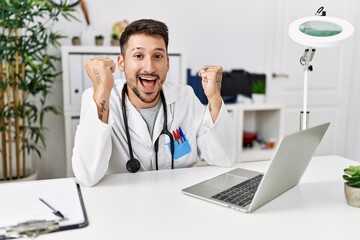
(211, 79)
(211, 76)
(100, 71)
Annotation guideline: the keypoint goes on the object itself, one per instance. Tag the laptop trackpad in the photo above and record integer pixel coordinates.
(225, 181)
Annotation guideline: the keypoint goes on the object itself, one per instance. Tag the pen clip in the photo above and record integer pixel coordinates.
(179, 135)
(30, 229)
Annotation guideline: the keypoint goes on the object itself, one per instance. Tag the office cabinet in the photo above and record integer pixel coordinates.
(262, 120)
(79, 80)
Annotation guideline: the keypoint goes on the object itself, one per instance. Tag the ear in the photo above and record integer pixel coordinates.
(120, 60)
(168, 63)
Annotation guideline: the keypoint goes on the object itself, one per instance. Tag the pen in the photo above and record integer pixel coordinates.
(179, 135)
(182, 134)
(55, 212)
(175, 136)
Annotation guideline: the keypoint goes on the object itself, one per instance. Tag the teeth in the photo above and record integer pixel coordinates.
(148, 78)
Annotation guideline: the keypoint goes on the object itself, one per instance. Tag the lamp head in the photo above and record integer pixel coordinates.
(320, 31)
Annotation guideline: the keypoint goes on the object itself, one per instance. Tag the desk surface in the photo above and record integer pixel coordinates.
(150, 205)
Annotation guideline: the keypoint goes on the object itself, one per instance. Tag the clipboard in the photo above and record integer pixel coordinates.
(20, 204)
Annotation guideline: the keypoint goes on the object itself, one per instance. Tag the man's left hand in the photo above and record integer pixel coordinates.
(211, 76)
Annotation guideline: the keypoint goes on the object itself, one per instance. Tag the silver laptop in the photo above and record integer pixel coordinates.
(246, 190)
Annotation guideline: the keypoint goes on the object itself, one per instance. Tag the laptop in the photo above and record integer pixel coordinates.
(247, 190)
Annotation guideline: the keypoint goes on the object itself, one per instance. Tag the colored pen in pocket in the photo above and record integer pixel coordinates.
(176, 137)
(182, 134)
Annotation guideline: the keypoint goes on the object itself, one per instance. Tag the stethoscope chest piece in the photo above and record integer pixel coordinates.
(133, 165)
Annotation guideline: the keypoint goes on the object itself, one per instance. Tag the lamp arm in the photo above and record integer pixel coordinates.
(305, 61)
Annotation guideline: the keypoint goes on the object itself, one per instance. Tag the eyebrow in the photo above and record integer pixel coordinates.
(141, 48)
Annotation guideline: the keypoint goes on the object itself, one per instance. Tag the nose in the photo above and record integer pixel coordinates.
(149, 65)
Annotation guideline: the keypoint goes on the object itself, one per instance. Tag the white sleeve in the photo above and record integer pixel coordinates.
(92, 145)
(217, 141)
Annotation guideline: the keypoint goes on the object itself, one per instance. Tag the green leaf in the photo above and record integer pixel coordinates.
(259, 87)
(354, 184)
(346, 177)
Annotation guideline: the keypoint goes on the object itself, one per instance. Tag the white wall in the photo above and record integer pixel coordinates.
(207, 32)
(353, 130)
(195, 27)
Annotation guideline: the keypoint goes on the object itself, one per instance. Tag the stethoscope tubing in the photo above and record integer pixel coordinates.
(156, 145)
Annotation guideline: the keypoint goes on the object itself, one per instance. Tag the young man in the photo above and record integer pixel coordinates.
(143, 122)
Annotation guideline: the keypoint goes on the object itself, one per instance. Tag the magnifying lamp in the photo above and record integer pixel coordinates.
(318, 31)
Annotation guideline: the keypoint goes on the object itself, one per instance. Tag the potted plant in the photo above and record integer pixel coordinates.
(352, 185)
(115, 39)
(27, 74)
(76, 41)
(99, 40)
(258, 89)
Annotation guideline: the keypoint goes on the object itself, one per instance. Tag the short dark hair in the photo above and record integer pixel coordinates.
(145, 26)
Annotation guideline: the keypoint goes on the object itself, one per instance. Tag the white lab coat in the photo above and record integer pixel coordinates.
(101, 148)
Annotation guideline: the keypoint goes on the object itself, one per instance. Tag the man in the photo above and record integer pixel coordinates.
(146, 123)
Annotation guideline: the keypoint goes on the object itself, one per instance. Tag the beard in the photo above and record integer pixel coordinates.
(148, 98)
(136, 84)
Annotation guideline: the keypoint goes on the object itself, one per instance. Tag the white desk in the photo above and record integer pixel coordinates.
(150, 205)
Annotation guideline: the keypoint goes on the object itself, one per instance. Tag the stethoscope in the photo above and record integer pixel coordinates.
(133, 165)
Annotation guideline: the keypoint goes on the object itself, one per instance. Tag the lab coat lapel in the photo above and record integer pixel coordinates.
(170, 97)
(159, 123)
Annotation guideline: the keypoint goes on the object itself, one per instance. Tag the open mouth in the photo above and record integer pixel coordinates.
(148, 82)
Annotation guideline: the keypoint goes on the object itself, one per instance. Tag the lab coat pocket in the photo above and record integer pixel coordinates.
(181, 148)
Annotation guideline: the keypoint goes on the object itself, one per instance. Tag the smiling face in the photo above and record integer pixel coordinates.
(145, 63)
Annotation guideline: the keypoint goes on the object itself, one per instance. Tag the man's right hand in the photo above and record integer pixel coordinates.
(100, 71)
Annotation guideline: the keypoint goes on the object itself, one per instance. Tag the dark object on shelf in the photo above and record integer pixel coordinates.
(239, 81)
(236, 82)
(248, 139)
(195, 82)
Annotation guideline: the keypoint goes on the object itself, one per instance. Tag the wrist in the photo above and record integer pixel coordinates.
(215, 102)
(100, 96)
(102, 104)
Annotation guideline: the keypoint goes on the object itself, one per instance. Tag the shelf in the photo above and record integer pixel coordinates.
(262, 119)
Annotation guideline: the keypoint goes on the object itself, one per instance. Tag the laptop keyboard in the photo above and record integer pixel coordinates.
(241, 194)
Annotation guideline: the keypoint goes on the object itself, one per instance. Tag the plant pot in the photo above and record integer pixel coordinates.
(76, 41)
(31, 175)
(352, 195)
(115, 42)
(13, 171)
(99, 42)
(258, 98)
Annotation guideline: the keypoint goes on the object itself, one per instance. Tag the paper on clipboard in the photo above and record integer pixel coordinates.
(20, 202)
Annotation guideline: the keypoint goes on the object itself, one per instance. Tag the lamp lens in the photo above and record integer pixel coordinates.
(320, 28)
